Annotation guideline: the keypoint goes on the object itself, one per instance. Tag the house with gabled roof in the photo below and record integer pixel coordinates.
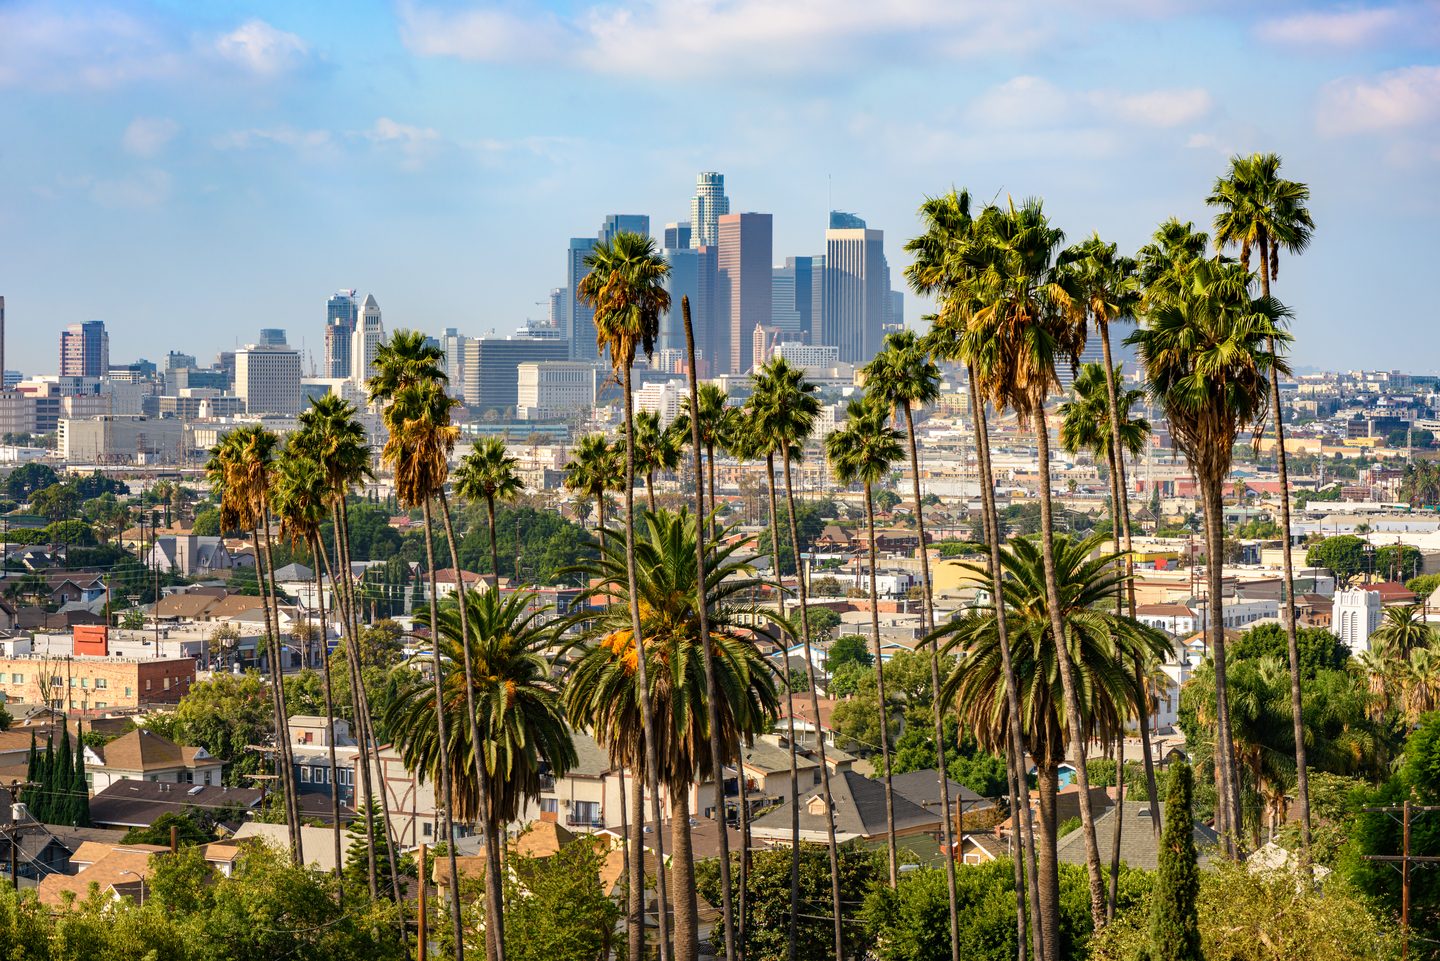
(146, 756)
(858, 806)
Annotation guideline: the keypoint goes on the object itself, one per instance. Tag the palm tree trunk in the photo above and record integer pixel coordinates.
(357, 690)
(717, 750)
(318, 550)
(1061, 640)
(1119, 824)
(442, 746)
(636, 850)
(650, 489)
(948, 829)
(1287, 589)
(1047, 867)
(815, 707)
(775, 555)
(1115, 508)
(489, 820)
(652, 760)
(1017, 851)
(1224, 744)
(284, 758)
(1012, 697)
(880, 694)
(1122, 512)
(710, 463)
(682, 875)
(743, 918)
(600, 520)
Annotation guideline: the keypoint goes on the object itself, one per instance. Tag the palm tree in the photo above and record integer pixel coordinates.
(945, 267)
(625, 287)
(1026, 324)
(604, 690)
(409, 381)
(1403, 629)
(1101, 646)
(595, 468)
(240, 468)
(656, 449)
(1261, 211)
(331, 434)
(863, 451)
(488, 473)
(712, 405)
(519, 712)
(784, 407)
(299, 499)
(1207, 352)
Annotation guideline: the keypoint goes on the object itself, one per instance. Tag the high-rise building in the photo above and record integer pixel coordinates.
(706, 208)
(452, 342)
(555, 388)
(692, 274)
(85, 350)
(743, 287)
(272, 337)
(624, 223)
(267, 378)
(492, 364)
(342, 311)
(809, 291)
(857, 292)
(365, 341)
(677, 235)
(895, 320)
(580, 330)
(784, 315)
(843, 220)
(557, 311)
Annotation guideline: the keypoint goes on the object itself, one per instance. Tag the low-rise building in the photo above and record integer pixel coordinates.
(81, 682)
(143, 755)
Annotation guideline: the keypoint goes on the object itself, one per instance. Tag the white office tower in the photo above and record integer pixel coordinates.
(1356, 616)
(857, 292)
(369, 332)
(267, 378)
(706, 208)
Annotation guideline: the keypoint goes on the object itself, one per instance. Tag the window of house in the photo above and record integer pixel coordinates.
(586, 812)
(167, 683)
(304, 775)
(147, 683)
(129, 692)
(55, 682)
(17, 678)
(428, 829)
(322, 775)
(189, 777)
(100, 704)
(101, 683)
(549, 805)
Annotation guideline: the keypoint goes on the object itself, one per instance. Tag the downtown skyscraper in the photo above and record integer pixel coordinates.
(856, 302)
(579, 328)
(342, 311)
(743, 288)
(706, 208)
(85, 350)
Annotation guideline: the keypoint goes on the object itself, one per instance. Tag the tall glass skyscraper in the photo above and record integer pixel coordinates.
(342, 311)
(857, 292)
(706, 209)
(85, 350)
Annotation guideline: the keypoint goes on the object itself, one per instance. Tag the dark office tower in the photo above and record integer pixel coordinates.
(743, 287)
(580, 328)
(692, 274)
(841, 220)
(342, 312)
(629, 223)
(677, 236)
(706, 208)
(85, 350)
(809, 291)
(857, 292)
(896, 320)
(271, 337)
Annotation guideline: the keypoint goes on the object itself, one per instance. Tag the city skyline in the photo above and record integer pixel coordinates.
(218, 171)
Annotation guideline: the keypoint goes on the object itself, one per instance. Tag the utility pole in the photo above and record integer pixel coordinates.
(420, 940)
(1404, 860)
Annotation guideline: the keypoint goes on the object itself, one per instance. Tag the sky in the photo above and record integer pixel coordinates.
(190, 173)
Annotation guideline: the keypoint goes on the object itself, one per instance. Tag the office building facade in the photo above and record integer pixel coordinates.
(85, 350)
(555, 388)
(365, 341)
(706, 208)
(692, 274)
(267, 378)
(492, 364)
(857, 292)
(743, 287)
(677, 236)
(342, 311)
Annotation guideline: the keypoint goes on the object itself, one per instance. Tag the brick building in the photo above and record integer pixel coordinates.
(94, 683)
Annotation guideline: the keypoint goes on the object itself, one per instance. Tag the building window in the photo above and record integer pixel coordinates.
(129, 692)
(321, 775)
(304, 775)
(101, 683)
(100, 704)
(428, 829)
(167, 683)
(586, 812)
(17, 678)
(147, 683)
(549, 805)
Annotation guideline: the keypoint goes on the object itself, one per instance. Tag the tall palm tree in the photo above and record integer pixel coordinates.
(241, 468)
(604, 692)
(299, 499)
(595, 468)
(1403, 629)
(746, 435)
(1026, 324)
(519, 712)
(945, 268)
(1207, 350)
(712, 681)
(1262, 211)
(410, 383)
(657, 448)
(1101, 644)
(626, 289)
(331, 434)
(784, 408)
(863, 451)
(487, 474)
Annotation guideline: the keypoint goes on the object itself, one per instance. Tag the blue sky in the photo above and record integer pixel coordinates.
(191, 172)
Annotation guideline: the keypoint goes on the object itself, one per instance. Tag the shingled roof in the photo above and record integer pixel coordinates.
(146, 751)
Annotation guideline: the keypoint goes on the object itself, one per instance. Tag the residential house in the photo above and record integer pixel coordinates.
(131, 803)
(146, 756)
(858, 807)
(1139, 848)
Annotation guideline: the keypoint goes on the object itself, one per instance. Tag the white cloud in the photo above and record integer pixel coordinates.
(1355, 27)
(147, 136)
(261, 49)
(1394, 100)
(1033, 102)
(305, 141)
(665, 39)
(145, 188)
(1158, 108)
(97, 49)
(414, 144)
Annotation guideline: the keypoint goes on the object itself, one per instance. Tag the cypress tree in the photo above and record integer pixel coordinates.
(32, 772)
(46, 790)
(63, 769)
(80, 791)
(1175, 923)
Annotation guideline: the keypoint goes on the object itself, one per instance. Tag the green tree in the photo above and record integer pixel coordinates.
(848, 649)
(360, 840)
(487, 474)
(1343, 555)
(556, 908)
(26, 479)
(191, 827)
(1175, 924)
(226, 715)
(1319, 649)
